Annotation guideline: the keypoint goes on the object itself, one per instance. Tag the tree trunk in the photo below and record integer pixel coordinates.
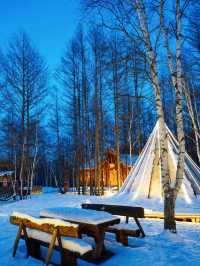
(179, 111)
(163, 134)
(176, 76)
(169, 210)
(116, 111)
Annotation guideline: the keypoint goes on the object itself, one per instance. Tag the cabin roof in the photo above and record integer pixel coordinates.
(8, 173)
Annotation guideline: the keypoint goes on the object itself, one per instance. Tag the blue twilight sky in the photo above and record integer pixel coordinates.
(49, 23)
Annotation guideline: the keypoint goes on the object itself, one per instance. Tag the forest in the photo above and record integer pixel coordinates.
(55, 123)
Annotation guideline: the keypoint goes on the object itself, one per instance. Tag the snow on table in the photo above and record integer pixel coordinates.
(78, 215)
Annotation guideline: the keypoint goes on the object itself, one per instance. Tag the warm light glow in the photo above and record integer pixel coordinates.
(186, 195)
(109, 192)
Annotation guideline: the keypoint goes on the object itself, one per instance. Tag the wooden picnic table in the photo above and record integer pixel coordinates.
(121, 210)
(93, 223)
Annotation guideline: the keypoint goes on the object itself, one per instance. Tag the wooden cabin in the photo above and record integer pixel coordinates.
(108, 170)
(6, 177)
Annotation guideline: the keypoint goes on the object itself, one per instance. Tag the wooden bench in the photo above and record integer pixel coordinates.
(50, 233)
(121, 232)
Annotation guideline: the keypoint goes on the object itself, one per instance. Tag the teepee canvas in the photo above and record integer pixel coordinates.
(144, 180)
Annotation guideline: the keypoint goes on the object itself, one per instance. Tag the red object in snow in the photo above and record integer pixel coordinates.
(5, 182)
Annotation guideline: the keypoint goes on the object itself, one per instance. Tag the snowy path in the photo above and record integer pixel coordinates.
(157, 249)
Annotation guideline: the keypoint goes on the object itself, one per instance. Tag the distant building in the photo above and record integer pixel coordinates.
(6, 174)
(109, 169)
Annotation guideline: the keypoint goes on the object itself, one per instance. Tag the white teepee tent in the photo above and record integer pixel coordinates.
(144, 180)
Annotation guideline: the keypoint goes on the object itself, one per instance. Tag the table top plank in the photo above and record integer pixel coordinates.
(80, 216)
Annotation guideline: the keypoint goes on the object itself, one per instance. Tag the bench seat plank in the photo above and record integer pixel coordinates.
(76, 245)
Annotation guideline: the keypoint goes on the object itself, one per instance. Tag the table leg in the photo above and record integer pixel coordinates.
(98, 233)
(99, 243)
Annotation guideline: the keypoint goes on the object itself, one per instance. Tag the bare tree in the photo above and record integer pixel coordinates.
(25, 74)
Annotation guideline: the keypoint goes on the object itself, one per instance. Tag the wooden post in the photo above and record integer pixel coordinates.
(51, 247)
(17, 239)
(26, 239)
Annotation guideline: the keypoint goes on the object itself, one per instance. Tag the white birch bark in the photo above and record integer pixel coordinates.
(176, 76)
(170, 193)
(179, 111)
(154, 75)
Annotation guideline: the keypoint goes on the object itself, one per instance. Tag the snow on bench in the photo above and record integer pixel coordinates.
(122, 231)
(124, 226)
(72, 244)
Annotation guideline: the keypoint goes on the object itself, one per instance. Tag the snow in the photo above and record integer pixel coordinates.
(158, 248)
(8, 173)
(77, 214)
(73, 244)
(55, 222)
(125, 226)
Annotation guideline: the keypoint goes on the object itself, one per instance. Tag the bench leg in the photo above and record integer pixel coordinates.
(121, 237)
(51, 247)
(26, 240)
(140, 227)
(67, 259)
(18, 236)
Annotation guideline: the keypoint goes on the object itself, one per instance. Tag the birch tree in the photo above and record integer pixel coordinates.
(132, 20)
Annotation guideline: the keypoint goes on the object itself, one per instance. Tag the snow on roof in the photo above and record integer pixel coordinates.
(77, 215)
(40, 221)
(6, 173)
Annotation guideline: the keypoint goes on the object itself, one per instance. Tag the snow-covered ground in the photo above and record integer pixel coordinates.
(158, 248)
